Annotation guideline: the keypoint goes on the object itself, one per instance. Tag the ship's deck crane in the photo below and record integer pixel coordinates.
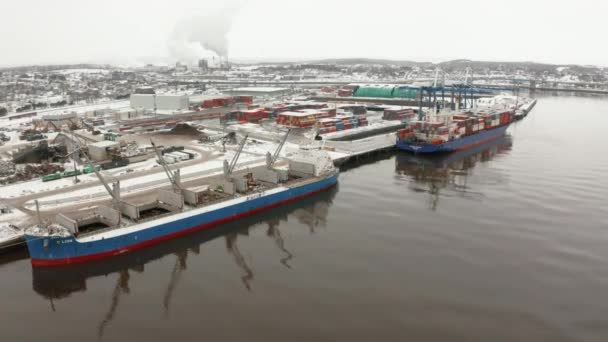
(271, 159)
(114, 192)
(228, 138)
(174, 177)
(228, 168)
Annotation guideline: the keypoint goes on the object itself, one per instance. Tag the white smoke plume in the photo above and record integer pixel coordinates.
(202, 36)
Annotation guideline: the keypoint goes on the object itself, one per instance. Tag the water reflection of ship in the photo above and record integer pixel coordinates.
(57, 283)
(13, 256)
(433, 173)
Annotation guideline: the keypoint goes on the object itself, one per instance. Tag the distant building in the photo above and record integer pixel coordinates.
(123, 75)
(99, 151)
(257, 91)
(159, 102)
(203, 64)
(179, 67)
(144, 90)
(60, 119)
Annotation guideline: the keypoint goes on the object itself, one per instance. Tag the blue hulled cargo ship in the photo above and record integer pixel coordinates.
(453, 132)
(129, 226)
(459, 144)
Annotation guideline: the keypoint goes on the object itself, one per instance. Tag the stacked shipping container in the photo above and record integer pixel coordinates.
(340, 123)
(250, 115)
(224, 101)
(406, 114)
(304, 117)
(462, 125)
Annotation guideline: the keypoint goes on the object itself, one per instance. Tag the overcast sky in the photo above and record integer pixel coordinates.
(135, 32)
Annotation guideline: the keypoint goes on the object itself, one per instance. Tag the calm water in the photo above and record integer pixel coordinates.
(508, 242)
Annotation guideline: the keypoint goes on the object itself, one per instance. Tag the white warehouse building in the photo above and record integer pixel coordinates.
(160, 102)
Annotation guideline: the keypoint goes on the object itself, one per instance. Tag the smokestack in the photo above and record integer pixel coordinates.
(202, 36)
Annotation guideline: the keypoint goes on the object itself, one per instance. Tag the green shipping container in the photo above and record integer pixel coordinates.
(52, 176)
(405, 93)
(89, 169)
(386, 92)
(71, 173)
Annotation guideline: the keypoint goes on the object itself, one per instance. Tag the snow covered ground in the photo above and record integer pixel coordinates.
(257, 131)
(13, 218)
(78, 108)
(147, 182)
(372, 126)
(365, 145)
(35, 186)
(7, 233)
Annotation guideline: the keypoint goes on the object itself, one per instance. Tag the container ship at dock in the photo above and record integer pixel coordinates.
(126, 226)
(445, 133)
(460, 130)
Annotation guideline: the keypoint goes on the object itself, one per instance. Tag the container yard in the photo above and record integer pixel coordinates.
(201, 131)
(313, 171)
(96, 184)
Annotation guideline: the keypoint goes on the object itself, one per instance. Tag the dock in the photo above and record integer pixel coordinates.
(356, 149)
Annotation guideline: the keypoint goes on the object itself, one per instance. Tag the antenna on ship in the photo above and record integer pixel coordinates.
(435, 90)
(38, 213)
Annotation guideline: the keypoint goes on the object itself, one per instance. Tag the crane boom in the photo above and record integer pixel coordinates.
(228, 170)
(172, 176)
(275, 156)
(115, 199)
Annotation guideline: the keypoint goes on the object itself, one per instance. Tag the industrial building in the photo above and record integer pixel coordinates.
(99, 150)
(258, 91)
(60, 119)
(159, 102)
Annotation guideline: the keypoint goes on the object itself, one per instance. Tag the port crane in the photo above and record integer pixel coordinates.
(229, 168)
(174, 177)
(114, 192)
(230, 137)
(271, 159)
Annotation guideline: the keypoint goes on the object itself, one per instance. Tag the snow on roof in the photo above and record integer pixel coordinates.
(322, 120)
(104, 143)
(259, 89)
(310, 111)
(203, 97)
(294, 114)
(301, 113)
